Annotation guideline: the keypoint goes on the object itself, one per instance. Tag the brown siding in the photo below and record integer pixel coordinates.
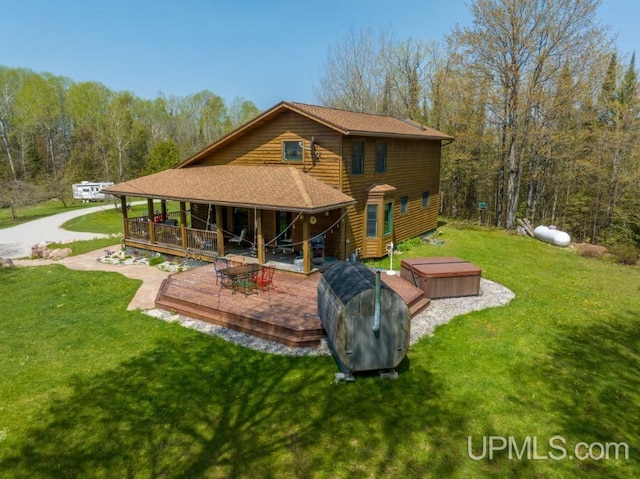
(413, 167)
(263, 146)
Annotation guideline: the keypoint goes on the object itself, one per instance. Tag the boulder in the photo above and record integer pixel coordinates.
(58, 253)
(6, 263)
(38, 249)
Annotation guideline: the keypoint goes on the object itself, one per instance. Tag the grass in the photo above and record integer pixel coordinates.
(39, 210)
(91, 390)
(106, 222)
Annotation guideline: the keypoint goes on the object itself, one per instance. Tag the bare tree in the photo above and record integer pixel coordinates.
(353, 74)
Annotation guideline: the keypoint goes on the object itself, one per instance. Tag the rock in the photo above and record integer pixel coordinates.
(38, 249)
(7, 263)
(59, 253)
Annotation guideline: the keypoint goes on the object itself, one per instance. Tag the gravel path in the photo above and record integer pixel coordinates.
(440, 311)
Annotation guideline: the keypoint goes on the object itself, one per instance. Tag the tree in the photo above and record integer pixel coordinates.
(163, 155)
(87, 106)
(42, 112)
(241, 111)
(352, 71)
(9, 80)
(619, 110)
(520, 46)
(375, 74)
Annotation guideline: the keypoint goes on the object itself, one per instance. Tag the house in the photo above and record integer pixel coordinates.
(316, 181)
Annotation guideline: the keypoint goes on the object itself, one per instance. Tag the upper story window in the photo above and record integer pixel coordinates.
(357, 157)
(381, 157)
(292, 150)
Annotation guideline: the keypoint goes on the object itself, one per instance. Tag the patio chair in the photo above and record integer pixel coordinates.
(220, 264)
(317, 250)
(264, 279)
(239, 239)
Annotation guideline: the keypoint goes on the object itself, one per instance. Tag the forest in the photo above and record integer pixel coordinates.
(55, 132)
(544, 110)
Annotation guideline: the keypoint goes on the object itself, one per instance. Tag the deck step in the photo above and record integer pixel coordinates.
(419, 305)
(239, 323)
(413, 296)
(200, 298)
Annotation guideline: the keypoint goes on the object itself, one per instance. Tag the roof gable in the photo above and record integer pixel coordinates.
(345, 122)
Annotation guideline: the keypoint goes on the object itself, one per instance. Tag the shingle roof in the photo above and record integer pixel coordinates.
(343, 121)
(264, 187)
(354, 123)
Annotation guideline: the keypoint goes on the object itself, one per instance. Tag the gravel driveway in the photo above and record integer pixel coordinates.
(16, 242)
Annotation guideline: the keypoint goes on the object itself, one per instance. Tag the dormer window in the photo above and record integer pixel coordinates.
(292, 150)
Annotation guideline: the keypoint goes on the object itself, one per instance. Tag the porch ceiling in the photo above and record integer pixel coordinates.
(263, 187)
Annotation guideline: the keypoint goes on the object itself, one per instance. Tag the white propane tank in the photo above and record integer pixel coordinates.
(552, 235)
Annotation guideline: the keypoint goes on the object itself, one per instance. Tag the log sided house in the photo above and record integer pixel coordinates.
(301, 180)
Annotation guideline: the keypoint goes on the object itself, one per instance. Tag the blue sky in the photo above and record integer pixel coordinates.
(262, 51)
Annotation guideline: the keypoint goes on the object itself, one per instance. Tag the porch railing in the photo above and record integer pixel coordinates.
(138, 229)
(205, 242)
(168, 235)
(201, 241)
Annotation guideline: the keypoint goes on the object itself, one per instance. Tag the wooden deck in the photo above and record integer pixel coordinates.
(287, 313)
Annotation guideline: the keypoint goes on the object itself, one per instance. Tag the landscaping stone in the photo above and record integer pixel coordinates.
(127, 258)
(7, 263)
(58, 253)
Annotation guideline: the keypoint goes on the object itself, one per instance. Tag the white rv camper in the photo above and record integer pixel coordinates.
(90, 191)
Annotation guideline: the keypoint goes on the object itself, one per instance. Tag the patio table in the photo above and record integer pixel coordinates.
(240, 278)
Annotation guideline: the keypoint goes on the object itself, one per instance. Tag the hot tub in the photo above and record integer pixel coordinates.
(442, 277)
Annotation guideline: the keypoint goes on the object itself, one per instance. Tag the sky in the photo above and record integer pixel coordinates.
(261, 51)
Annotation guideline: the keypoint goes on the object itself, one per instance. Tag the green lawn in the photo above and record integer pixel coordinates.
(91, 390)
(107, 221)
(39, 210)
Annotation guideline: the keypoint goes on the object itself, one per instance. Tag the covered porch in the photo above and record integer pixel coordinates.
(300, 228)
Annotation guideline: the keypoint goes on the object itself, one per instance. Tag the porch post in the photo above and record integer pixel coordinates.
(306, 247)
(163, 205)
(343, 234)
(125, 219)
(260, 245)
(152, 232)
(220, 231)
(183, 224)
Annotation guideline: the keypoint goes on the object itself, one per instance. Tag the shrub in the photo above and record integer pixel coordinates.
(155, 261)
(407, 245)
(590, 250)
(625, 253)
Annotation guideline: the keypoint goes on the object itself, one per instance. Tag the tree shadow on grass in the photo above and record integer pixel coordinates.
(198, 407)
(594, 371)
(174, 412)
(592, 385)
